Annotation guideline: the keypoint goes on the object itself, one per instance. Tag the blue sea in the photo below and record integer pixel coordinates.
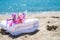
(29, 5)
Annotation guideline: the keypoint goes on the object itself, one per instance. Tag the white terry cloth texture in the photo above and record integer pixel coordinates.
(29, 25)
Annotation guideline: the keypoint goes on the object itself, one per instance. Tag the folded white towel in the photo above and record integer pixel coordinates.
(29, 25)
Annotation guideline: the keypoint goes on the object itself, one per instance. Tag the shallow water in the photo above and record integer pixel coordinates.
(29, 5)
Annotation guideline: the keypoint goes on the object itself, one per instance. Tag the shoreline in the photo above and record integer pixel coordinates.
(44, 12)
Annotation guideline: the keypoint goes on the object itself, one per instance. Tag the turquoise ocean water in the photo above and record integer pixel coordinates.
(29, 5)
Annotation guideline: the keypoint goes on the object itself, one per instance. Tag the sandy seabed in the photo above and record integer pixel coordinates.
(46, 20)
